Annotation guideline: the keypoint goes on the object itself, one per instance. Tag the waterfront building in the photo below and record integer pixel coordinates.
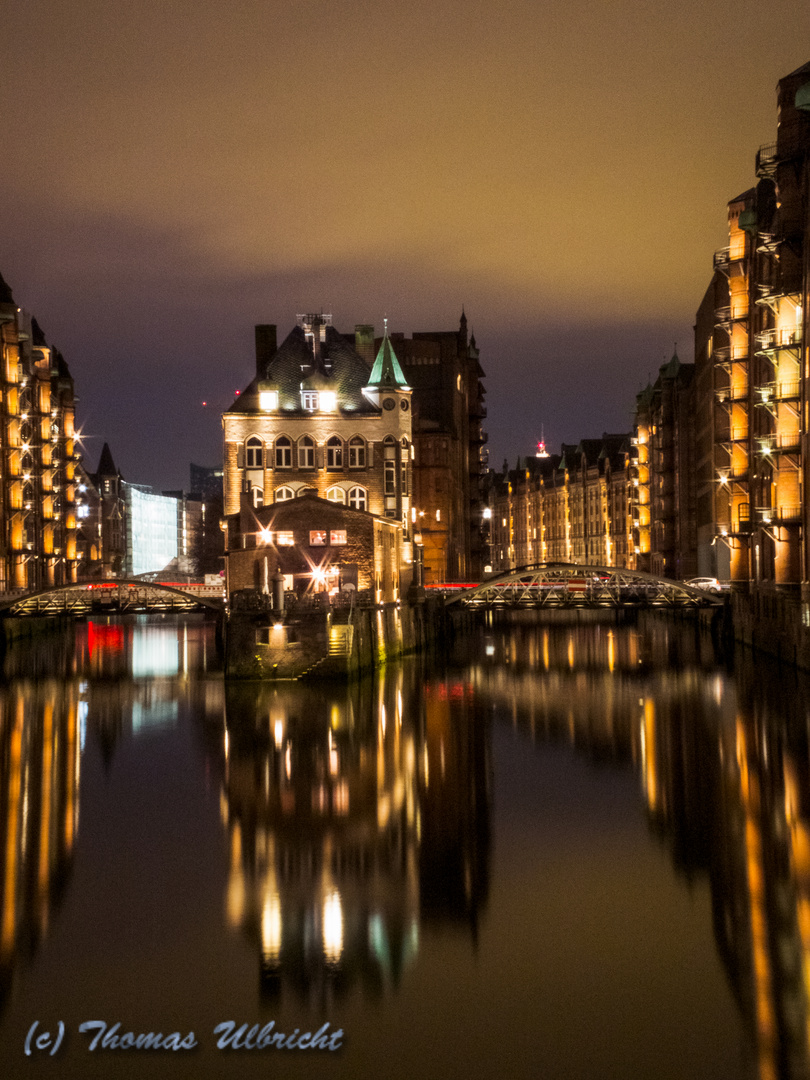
(314, 545)
(38, 496)
(567, 507)
(444, 370)
(318, 417)
(663, 489)
(756, 358)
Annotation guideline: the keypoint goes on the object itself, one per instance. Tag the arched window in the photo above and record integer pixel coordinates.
(283, 452)
(358, 498)
(334, 453)
(253, 453)
(257, 497)
(303, 491)
(306, 453)
(357, 452)
(283, 494)
(336, 495)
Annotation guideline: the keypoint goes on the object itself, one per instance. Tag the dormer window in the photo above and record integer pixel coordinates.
(268, 400)
(309, 400)
(328, 402)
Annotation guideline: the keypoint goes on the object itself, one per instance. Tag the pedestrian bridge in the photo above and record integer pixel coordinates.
(572, 585)
(113, 597)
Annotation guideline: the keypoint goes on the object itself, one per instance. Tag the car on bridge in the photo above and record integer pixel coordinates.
(708, 584)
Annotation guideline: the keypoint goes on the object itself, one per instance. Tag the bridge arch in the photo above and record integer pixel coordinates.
(560, 584)
(113, 595)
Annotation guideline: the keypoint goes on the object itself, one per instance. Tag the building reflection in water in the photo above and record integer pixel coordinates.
(724, 769)
(39, 811)
(352, 817)
(114, 680)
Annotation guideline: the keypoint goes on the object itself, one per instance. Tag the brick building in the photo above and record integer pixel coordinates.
(324, 415)
(314, 545)
(38, 483)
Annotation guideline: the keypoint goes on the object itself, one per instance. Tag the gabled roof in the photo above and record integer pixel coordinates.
(5, 292)
(335, 365)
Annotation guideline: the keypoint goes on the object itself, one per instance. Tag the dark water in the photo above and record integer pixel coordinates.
(564, 852)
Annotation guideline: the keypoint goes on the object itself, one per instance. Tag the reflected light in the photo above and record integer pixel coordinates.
(332, 927)
(271, 928)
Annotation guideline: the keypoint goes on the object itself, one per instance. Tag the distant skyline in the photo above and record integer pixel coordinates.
(181, 172)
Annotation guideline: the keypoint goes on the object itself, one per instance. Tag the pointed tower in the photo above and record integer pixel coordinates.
(388, 389)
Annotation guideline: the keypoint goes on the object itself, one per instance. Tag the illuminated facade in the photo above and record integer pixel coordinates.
(569, 507)
(323, 414)
(39, 456)
(151, 522)
(757, 352)
(663, 474)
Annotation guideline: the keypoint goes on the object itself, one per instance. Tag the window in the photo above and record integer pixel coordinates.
(283, 494)
(306, 453)
(309, 400)
(283, 453)
(285, 539)
(336, 495)
(317, 538)
(390, 478)
(268, 400)
(257, 496)
(253, 453)
(328, 401)
(337, 537)
(358, 498)
(334, 453)
(357, 453)
(303, 491)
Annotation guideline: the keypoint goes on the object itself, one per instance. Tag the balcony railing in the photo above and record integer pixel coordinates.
(735, 434)
(731, 313)
(772, 340)
(783, 441)
(766, 160)
(780, 391)
(780, 514)
(728, 354)
(729, 394)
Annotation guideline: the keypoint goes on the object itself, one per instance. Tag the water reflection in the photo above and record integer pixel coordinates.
(723, 761)
(39, 812)
(351, 817)
(357, 822)
(116, 680)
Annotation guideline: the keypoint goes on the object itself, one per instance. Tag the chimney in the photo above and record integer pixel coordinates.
(265, 348)
(364, 342)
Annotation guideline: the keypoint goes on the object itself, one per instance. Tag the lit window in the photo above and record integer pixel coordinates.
(390, 478)
(334, 453)
(317, 538)
(337, 537)
(309, 400)
(336, 495)
(268, 400)
(358, 499)
(283, 494)
(283, 453)
(253, 453)
(357, 453)
(306, 453)
(328, 402)
(257, 496)
(285, 539)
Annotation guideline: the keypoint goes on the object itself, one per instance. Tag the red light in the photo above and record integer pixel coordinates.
(238, 392)
(204, 404)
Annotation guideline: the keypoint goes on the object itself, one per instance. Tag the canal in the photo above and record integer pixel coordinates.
(561, 852)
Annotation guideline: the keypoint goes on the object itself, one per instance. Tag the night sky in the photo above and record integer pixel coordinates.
(174, 172)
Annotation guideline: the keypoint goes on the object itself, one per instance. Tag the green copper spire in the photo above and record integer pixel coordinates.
(386, 371)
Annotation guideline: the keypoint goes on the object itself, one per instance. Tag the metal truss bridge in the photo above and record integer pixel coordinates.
(572, 585)
(119, 596)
